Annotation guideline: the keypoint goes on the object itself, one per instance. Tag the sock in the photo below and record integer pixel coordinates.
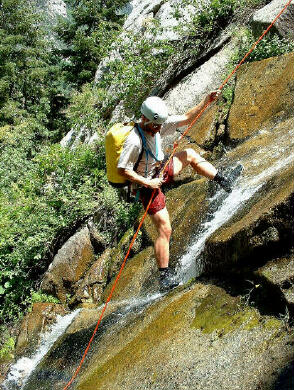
(223, 182)
(163, 271)
(218, 177)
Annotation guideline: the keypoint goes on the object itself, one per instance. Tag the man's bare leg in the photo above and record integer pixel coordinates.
(198, 163)
(204, 168)
(161, 245)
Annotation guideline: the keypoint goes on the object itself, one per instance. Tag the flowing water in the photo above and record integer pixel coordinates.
(188, 267)
(21, 370)
(222, 208)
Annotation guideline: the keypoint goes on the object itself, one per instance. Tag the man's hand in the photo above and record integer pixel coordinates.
(135, 178)
(212, 96)
(154, 183)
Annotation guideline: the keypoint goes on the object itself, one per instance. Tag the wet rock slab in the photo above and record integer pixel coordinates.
(200, 338)
(195, 338)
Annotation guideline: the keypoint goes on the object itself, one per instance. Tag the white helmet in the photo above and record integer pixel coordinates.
(154, 109)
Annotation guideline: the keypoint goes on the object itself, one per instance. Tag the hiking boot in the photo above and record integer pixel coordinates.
(167, 280)
(227, 182)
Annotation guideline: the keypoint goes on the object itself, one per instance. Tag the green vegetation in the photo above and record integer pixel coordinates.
(7, 344)
(271, 45)
(38, 296)
(56, 189)
(32, 86)
(88, 35)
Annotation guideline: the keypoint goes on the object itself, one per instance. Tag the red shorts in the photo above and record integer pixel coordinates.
(158, 201)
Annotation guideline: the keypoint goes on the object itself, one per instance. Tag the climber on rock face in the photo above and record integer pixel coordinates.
(155, 124)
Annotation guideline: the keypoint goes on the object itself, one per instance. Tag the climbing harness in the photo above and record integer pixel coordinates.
(151, 198)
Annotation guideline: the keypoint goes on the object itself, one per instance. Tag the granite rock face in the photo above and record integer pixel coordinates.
(262, 96)
(69, 265)
(283, 26)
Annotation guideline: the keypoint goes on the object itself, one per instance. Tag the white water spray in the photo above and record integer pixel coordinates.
(21, 370)
(189, 267)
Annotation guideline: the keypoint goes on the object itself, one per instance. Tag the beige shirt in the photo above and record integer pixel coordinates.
(133, 146)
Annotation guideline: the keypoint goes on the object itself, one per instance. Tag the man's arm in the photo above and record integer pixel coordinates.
(192, 114)
(135, 178)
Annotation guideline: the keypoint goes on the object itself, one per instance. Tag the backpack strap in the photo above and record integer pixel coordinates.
(146, 149)
(142, 150)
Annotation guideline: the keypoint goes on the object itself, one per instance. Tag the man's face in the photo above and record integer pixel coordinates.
(151, 128)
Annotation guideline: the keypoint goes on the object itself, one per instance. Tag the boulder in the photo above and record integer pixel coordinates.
(263, 96)
(264, 16)
(69, 265)
(90, 288)
(34, 324)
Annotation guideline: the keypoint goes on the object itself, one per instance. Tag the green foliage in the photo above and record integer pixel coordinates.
(127, 79)
(270, 46)
(41, 198)
(131, 79)
(206, 24)
(31, 76)
(7, 344)
(38, 296)
(6, 349)
(213, 17)
(88, 35)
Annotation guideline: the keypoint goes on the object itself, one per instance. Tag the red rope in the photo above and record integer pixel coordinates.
(144, 216)
(110, 295)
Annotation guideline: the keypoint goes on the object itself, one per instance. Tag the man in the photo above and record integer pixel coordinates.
(155, 124)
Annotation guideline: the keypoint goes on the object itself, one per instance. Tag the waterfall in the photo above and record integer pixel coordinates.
(281, 157)
(21, 370)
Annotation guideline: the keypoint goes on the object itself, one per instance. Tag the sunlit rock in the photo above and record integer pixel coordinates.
(263, 96)
(90, 288)
(264, 16)
(69, 265)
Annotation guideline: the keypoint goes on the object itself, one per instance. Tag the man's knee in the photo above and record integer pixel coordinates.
(192, 156)
(165, 230)
(162, 222)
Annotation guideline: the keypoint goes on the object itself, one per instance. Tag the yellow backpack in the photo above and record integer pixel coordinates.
(114, 142)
